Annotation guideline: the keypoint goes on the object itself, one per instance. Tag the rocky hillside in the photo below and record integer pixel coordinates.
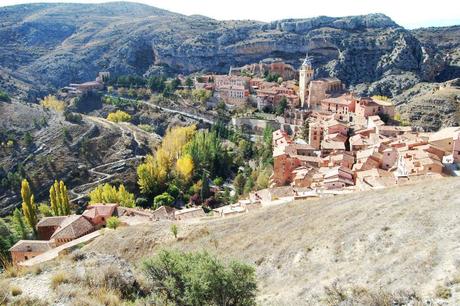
(396, 246)
(45, 46)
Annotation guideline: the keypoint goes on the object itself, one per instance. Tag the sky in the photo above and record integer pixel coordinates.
(408, 13)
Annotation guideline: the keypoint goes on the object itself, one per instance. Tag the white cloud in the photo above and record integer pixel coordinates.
(407, 13)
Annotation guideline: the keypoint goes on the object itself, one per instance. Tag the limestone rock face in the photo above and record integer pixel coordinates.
(50, 45)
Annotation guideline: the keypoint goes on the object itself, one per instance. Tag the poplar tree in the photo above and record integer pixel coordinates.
(59, 199)
(29, 209)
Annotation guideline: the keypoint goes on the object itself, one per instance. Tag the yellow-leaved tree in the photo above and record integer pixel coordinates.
(29, 208)
(110, 194)
(119, 116)
(184, 167)
(54, 103)
(153, 173)
(59, 199)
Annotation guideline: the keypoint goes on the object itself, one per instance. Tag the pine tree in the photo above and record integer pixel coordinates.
(29, 209)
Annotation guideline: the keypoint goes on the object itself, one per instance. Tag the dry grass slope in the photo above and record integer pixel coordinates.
(403, 238)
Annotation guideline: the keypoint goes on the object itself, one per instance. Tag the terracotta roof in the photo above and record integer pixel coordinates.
(32, 246)
(332, 145)
(51, 221)
(450, 132)
(345, 99)
(103, 210)
(73, 227)
(356, 140)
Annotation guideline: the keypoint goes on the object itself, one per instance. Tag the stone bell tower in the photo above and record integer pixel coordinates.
(306, 73)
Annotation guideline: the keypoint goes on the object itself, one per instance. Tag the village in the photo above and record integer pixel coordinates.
(328, 141)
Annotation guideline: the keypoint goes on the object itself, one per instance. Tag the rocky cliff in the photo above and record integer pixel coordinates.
(49, 45)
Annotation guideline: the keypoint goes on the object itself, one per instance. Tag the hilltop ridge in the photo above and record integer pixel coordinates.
(46, 46)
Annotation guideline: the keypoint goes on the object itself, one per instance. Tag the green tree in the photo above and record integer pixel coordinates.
(29, 208)
(208, 153)
(189, 82)
(249, 185)
(45, 210)
(7, 240)
(191, 279)
(204, 192)
(164, 199)
(281, 107)
(19, 225)
(28, 140)
(238, 183)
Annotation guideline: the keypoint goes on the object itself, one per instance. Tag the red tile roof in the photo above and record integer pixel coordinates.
(73, 227)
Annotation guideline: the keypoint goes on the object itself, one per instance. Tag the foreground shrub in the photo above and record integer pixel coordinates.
(200, 279)
(336, 294)
(15, 290)
(443, 292)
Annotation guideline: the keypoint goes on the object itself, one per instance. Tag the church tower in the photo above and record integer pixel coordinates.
(306, 73)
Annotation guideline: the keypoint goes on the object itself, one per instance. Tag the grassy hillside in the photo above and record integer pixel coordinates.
(403, 238)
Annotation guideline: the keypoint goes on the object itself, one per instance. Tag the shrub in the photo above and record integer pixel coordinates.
(200, 279)
(218, 181)
(119, 116)
(147, 128)
(15, 290)
(4, 96)
(174, 230)
(113, 222)
(77, 255)
(142, 202)
(73, 117)
(164, 199)
(443, 292)
(59, 278)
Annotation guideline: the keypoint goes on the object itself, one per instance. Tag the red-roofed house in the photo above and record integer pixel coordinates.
(27, 249)
(73, 227)
(98, 214)
(48, 225)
